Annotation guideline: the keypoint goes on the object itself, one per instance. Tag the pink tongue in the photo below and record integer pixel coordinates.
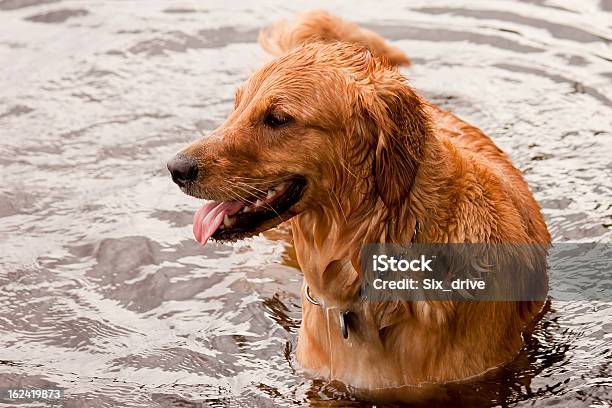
(210, 217)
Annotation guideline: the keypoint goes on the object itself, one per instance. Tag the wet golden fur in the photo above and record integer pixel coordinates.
(377, 158)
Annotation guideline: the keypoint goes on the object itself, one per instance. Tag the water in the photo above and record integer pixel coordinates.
(103, 290)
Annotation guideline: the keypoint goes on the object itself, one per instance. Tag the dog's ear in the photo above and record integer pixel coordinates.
(398, 126)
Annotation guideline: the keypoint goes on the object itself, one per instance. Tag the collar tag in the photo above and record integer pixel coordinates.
(344, 317)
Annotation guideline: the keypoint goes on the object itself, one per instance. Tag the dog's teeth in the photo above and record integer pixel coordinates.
(271, 194)
(259, 203)
(246, 209)
(227, 221)
(280, 187)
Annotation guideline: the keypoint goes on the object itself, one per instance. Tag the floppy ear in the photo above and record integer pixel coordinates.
(400, 126)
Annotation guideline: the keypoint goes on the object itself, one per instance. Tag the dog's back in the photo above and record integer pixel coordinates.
(320, 26)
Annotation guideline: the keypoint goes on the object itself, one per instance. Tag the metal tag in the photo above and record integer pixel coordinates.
(344, 316)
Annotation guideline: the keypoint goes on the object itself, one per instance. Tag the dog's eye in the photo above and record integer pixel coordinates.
(276, 120)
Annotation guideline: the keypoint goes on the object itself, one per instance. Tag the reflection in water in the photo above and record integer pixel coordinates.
(103, 292)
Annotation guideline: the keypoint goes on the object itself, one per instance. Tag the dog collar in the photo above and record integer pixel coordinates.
(308, 297)
(344, 314)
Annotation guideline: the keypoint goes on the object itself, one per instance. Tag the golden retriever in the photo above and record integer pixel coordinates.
(331, 136)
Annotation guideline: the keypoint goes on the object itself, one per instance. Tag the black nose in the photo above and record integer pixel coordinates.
(183, 169)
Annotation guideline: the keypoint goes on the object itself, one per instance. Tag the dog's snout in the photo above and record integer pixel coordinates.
(183, 169)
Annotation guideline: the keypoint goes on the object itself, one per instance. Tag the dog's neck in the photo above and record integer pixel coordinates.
(329, 239)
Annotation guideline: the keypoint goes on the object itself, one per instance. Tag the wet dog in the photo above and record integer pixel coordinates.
(330, 136)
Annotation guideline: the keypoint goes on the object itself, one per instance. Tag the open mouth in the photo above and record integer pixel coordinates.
(232, 220)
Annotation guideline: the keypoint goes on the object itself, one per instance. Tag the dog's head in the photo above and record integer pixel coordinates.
(307, 128)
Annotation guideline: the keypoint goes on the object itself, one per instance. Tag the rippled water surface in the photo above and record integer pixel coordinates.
(103, 290)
